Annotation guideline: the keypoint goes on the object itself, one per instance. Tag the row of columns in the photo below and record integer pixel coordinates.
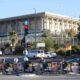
(56, 24)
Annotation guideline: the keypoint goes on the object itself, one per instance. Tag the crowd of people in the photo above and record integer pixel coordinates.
(39, 67)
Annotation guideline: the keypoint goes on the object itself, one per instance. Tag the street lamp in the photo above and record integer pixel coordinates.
(35, 25)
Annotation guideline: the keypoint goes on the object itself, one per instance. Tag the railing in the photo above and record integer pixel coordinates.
(38, 67)
(31, 38)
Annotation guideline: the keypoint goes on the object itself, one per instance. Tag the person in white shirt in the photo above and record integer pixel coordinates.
(15, 60)
(0, 52)
(25, 52)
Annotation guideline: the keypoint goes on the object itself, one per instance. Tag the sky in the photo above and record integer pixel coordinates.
(11, 8)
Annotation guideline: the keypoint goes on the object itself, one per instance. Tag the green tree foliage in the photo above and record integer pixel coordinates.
(48, 39)
(49, 42)
(46, 33)
(13, 38)
(78, 35)
(76, 48)
(70, 32)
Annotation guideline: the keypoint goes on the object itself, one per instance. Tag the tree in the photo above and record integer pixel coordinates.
(46, 33)
(70, 32)
(48, 39)
(49, 42)
(78, 35)
(14, 39)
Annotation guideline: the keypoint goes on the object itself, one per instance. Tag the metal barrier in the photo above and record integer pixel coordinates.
(39, 67)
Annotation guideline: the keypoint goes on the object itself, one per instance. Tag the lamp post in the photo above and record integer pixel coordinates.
(35, 24)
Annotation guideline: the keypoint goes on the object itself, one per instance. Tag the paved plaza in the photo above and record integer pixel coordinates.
(39, 77)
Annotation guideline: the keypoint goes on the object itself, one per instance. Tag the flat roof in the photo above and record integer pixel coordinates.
(22, 17)
(37, 15)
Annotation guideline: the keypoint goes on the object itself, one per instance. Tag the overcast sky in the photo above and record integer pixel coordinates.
(10, 8)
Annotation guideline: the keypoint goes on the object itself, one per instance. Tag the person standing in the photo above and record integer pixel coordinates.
(15, 67)
(0, 52)
(25, 64)
(25, 52)
(75, 67)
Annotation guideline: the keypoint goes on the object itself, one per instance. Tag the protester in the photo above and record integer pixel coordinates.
(15, 67)
(45, 65)
(25, 52)
(0, 52)
(75, 67)
(64, 65)
(25, 66)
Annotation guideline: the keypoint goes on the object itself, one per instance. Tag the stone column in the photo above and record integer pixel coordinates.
(46, 22)
(72, 26)
(52, 25)
(63, 25)
(42, 23)
(66, 23)
(58, 24)
(76, 27)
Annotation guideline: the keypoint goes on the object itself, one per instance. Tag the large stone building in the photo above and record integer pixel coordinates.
(38, 22)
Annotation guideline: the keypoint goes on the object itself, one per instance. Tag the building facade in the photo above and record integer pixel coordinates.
(38, 22)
